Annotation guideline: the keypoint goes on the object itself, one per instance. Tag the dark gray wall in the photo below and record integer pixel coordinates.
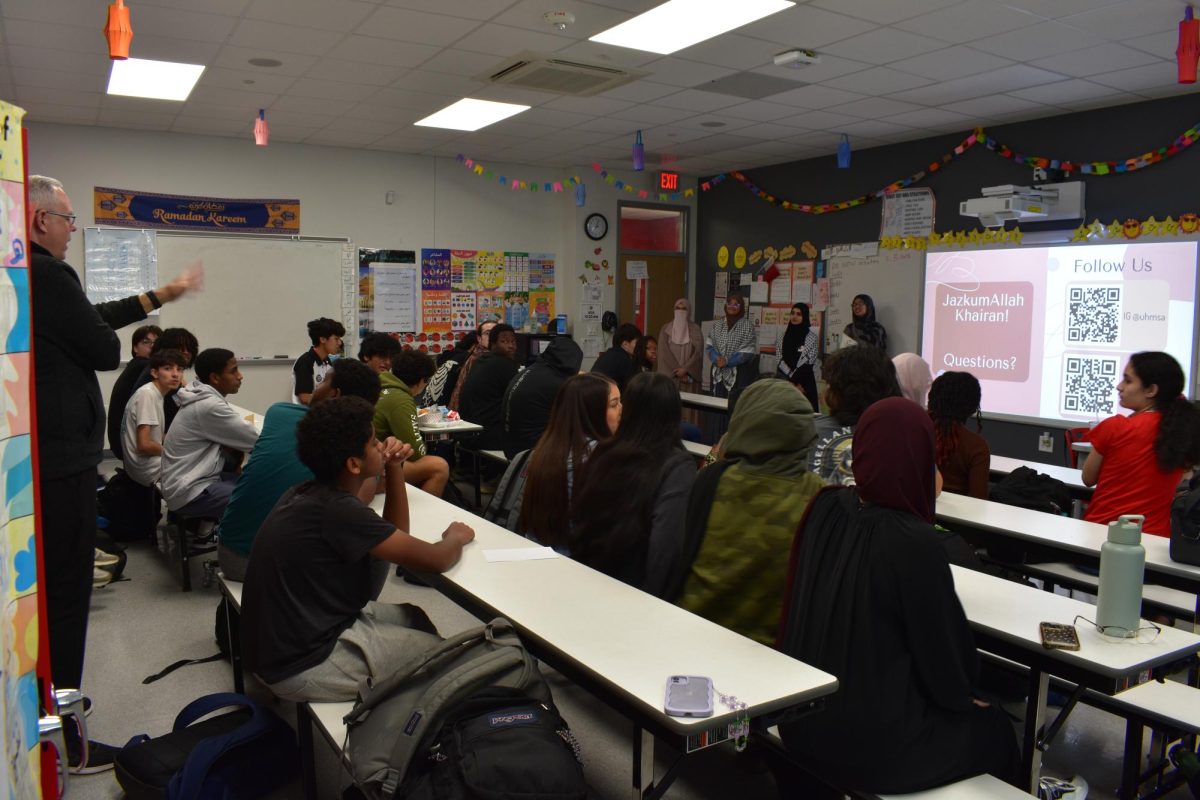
(731, 215)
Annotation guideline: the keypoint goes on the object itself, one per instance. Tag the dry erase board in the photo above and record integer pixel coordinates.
(259, 291)
(893, 279)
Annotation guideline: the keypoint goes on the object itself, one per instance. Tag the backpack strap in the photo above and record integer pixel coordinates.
(187, 782)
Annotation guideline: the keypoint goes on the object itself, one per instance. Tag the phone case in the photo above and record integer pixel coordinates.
(689, 696)
(1057, 636)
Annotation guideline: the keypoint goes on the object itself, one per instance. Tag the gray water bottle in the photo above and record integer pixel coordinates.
(1122, 564)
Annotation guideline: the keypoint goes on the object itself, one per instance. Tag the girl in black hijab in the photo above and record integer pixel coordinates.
(864, 329)
(797, 349)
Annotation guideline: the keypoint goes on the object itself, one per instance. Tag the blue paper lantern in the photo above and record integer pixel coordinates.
(843, 152)
(580, 195)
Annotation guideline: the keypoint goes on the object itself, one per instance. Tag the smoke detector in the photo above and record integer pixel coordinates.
(797, 59)
(559, 19)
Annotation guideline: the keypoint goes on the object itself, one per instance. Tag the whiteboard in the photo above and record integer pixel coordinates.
(893, 279)
(259, 291)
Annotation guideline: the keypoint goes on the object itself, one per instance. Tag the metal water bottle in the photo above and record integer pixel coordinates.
(1122, 563)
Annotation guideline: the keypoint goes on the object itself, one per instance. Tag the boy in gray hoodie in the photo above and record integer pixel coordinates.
(194, 480)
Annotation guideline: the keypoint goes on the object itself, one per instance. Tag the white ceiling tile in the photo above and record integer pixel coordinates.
(579, 136)
(373, 50)
(1090, 61)
(640, 91)
(39, 111)
(328, 15)
(151, 22)
(652, 115)
(970, 20)
(1006, 79)
(317, 107)
(503, 41)
(828, 68)
(1106, 101)
(998, 106)
(461, 62)
(43, 79)
(871, 127)
(873, 108)
(731, 50)
(402, 98)
(159, 120)
(505, 93)
(1130, 19)
(877, 81)
(590, 19)
(549, 118)
(516, 126)
(253, 33)
(472, 9)
(712, 144)
(759, 111)
(772, 148)
(705, 122)
(1039, 41)
(595, 106)
(291, 133)
(1053, 9)
(769, 131)
(25, 57)
(64, 37)
(695, 100)
(238, 58)
(1168, 90)
(806, 26)
(933, 119)
(418, 80)
(232, 98)
(1063, 92)
(1148, 77)
(884, 13)
(662, 137)
(234, 8)
(953, 62)
(67, 97)
(261, 80)
(883, 45)
(826, 140)
(342, 139)
(815, 97)
(53, 11)
(332, 90)
(223, 113)
(818, 120)
(285, 118)
(356, 72)
(416, 26)
(1156, 44)
(678, 72)
(185, 123)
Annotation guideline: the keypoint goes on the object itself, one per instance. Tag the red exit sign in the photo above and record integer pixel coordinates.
(668, 181)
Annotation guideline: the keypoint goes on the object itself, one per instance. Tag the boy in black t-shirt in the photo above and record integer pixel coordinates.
(309, 370)
(310, 627)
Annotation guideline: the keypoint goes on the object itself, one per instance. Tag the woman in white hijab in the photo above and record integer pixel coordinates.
(680, 349)
(914, 377)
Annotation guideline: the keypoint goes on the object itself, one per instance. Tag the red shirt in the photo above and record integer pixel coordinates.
(1131, 482)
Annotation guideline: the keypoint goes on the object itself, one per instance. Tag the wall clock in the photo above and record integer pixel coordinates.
(595, 226)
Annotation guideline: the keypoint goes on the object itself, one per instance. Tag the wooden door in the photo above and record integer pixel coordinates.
(667, 283)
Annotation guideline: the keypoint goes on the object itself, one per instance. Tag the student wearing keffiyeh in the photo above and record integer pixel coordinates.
(863, 328)
(796, 347)
(731, 345)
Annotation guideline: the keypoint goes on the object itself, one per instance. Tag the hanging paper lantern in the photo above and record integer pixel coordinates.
(1188, 51)
(118, 31)
(580, 195)
(262, 132)
(843, 152)
(639, 154)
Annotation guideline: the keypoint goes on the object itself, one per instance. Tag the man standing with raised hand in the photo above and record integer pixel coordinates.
(71, 340)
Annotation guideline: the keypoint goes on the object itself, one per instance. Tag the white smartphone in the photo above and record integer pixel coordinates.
(689, 696)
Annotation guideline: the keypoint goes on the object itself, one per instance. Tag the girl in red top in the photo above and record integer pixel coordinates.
(1137, 461)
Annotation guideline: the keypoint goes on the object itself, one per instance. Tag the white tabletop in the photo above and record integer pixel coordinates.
(705, 401)
(456, 426)
(1081, 447)
(253, 417)
(622, 637)
(696, 448)
(1073, 478)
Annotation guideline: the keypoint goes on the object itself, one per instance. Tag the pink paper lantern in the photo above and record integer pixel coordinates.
(262, 132)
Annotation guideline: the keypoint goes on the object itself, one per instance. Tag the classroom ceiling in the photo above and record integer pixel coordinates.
(358, 73)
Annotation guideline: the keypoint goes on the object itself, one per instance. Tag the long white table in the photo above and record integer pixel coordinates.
(1004, 617)
(253, 417)
(705, 402)
(1073, 478)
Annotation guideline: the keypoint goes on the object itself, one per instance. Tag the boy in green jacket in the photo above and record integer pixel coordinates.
(396, 415)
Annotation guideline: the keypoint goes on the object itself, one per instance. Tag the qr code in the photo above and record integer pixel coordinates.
(1089, 384)
(1093, 314)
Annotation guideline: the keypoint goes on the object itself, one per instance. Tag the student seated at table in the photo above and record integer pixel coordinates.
(180, 339)
(143, 427)
(396, 415)
(645, 354)
(483, 343)
(1137, 461)
(872, 600)
(617, 361)
(208, 437)
(586, 411)
(309, 370)
(142, 346)
(377, 351)
(963, 457)
(530, 394)
(630, 498)
(311, 629)
(445, 377)
(274, 468)
(483, 390)
(743, 512)
(855, 377)
(914, 377)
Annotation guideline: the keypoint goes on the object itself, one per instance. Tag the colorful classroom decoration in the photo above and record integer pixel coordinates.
(559, 186)
(129, 208)
(978, 136)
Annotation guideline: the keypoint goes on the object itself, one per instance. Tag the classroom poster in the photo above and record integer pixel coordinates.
(395, 297)
(462, 311)
(462, 270)
(435, 270)
(721, 287)
(541, 307)
(489, 306)
(821, 300)
(516, 309)
(541, 272)
(436, 310)
(490, 269)
(516, 272)
(781, 287)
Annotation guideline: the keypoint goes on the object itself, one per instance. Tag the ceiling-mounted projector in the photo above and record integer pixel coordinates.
(797, 59)
(1041, 203)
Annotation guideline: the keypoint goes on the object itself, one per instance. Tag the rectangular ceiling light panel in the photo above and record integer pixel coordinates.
(677, 24)
(471, 115)
(157, 80)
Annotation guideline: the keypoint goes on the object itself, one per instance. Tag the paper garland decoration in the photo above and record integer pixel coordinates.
(1178, 145)
(557, 187)
(1187, 225)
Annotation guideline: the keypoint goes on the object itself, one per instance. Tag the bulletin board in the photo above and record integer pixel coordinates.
(433, 298)
(894, 280)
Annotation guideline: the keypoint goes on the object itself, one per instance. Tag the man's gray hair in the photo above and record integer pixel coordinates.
(41, 191)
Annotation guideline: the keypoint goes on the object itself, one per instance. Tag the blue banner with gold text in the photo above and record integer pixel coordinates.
(133, 209)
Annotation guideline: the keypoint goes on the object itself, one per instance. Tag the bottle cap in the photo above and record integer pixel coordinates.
(1127, 529)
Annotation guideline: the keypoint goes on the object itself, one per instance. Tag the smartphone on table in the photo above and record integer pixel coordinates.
(689, 696)
(1059, 636)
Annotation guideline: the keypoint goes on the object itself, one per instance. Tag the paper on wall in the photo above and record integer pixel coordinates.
(592, 293)
(781, 287)
(721, 287)
(759, 291)
(637, 270)
(766, 336)
(590, 312)
(395, 297)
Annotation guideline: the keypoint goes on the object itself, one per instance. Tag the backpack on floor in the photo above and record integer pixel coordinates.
(471, 717)
(243, 754)
(129, 507)
(1028, 488)
(1185, 527)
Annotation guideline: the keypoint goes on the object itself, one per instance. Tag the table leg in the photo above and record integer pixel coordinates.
(643, 762)
(233, 632)
(308, 767)
(478, 479)
(1131, 766)
(1035, 718)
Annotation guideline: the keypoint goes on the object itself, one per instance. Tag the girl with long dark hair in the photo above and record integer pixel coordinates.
(797, 347)
(1137, 460)
(586, 410)
(963, 456)
(627, 515)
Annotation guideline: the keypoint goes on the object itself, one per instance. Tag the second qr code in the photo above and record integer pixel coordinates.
(1093, 314)
(1089, 385)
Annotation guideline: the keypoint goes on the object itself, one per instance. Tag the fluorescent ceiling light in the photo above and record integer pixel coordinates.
(682, 23)
(471, 115)
(158, 80)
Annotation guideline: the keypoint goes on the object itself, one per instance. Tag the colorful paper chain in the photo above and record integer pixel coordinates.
(570, 180)
(1181, 143)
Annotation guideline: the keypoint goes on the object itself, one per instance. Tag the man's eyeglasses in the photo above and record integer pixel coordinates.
(70, 218)
(1116, 633)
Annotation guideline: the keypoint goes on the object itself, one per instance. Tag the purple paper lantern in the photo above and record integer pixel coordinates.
(639, 154)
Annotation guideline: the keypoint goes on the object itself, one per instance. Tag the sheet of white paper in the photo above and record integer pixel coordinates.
(519, 554)
(637, 270)
(759, 291)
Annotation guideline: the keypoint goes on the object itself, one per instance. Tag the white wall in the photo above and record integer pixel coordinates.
(439, 203)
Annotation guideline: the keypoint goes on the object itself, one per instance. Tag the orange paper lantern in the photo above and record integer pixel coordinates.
(118, 31)
(262, 133)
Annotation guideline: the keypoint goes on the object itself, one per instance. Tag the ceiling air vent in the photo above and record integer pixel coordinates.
(544, 73)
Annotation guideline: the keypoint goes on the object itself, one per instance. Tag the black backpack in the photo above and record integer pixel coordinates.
(1028, 488)
(130, 508)
(241, 755)
(1185, 526)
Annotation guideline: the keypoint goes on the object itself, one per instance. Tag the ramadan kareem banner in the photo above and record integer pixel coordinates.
(132, 209)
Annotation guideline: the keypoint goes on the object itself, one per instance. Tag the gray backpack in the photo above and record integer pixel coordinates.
(471, 712)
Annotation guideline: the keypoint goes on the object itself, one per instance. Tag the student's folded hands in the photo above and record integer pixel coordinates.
(394, 451)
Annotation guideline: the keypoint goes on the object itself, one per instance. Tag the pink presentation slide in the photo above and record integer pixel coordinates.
(1047, 330)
